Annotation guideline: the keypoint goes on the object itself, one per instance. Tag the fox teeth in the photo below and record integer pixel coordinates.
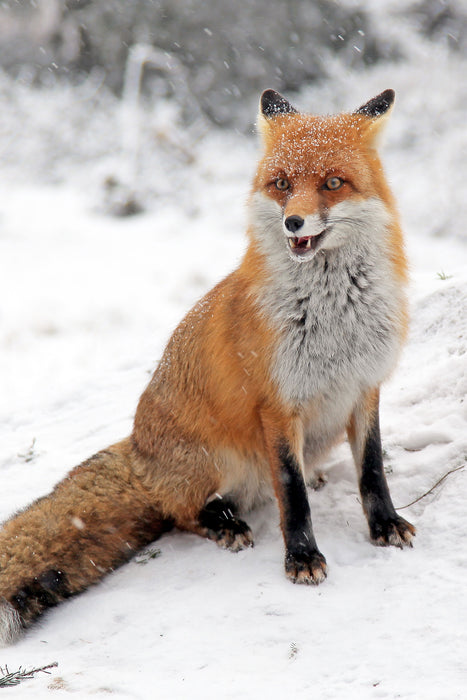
(294, 243)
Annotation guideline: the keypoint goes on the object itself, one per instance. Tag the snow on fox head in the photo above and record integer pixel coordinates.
(319, 184)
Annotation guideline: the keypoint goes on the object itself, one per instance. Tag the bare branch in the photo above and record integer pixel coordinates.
(14, 678)
(451, 471)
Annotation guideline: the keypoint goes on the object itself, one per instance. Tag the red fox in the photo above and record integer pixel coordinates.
(263, 376)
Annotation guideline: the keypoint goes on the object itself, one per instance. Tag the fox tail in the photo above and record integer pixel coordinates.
(93, 521)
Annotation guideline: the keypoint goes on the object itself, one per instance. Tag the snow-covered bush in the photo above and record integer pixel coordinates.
(229, 51)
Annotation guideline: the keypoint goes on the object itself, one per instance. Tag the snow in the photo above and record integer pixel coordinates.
(87, 304)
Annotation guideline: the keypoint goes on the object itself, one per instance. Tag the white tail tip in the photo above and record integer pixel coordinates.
(10, 624)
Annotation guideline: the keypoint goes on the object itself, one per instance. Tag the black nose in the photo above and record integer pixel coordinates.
(293, 223)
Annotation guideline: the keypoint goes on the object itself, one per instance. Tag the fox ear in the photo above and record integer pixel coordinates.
(272, 104)
(377, 110)
(378, 105)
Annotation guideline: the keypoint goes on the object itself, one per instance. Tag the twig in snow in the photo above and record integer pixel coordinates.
(293, 650)
(451, 471)
(31, 454)
(14, 678)
(146, 555)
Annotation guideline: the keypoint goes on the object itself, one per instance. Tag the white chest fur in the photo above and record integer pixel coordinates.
(338, 314)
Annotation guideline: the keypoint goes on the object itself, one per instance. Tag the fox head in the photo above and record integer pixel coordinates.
(319, 184)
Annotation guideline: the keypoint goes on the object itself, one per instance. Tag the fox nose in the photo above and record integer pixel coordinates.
(293, 223)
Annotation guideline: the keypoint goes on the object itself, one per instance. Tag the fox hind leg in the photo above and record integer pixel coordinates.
(224, 527)
(217, 521)
(386, 526)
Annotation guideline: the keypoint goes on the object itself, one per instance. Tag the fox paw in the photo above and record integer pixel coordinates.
(305, 568)
(218, 522)
(234, 535)
(394, 531)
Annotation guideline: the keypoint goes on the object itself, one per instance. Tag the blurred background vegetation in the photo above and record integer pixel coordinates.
(224, 52)
(109, 93)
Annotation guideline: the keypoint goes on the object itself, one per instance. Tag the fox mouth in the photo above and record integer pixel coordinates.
(304, 246)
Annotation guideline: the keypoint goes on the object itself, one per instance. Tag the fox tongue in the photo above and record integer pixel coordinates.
(306, 242)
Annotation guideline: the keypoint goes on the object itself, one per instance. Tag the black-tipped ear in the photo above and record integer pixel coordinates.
(378, 105)
(272, 104)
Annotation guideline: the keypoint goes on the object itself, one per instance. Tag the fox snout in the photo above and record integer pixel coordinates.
(303, 235)
(293, 223)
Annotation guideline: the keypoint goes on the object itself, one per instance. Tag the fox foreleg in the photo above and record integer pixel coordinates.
(304, 563)
(386, 526)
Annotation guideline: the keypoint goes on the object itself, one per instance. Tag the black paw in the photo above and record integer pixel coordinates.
(392, 531)
(305, 567)
(234, 535)
(221, 525)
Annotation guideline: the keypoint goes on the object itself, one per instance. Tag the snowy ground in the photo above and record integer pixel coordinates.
(87, 303)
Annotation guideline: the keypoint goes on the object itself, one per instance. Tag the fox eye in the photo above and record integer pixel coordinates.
(282, 184)
(333, 183)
